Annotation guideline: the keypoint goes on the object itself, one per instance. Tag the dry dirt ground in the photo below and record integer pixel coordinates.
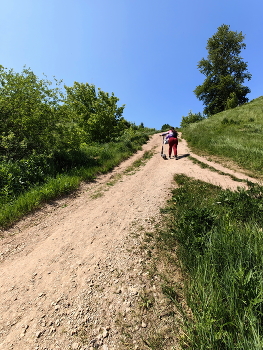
(74, 275)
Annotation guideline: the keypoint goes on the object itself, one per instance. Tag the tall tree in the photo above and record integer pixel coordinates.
(225, 72)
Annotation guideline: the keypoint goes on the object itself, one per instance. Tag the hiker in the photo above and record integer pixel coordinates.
(173, 142)
(167, 134)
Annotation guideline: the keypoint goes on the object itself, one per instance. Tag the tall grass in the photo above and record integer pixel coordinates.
(36, 196)
(20, 194)
(235, 134)
(219, 238)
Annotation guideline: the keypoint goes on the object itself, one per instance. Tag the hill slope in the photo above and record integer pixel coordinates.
(73, 273)
(235, 134)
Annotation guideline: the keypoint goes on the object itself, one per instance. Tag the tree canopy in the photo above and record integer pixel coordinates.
(225, 72)
(96, 112)
(165, 127)
(38, 118)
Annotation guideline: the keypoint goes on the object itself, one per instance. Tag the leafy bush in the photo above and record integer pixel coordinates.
(17, 177)
(191, 118)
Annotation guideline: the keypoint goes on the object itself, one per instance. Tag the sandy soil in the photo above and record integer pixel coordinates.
(73, 271)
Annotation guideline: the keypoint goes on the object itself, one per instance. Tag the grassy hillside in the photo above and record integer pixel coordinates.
(235, 134)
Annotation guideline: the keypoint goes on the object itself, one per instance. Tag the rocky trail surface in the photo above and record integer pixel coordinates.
(72, 273)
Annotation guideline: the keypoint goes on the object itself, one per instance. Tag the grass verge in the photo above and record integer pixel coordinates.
(218, 238)
(206, 166)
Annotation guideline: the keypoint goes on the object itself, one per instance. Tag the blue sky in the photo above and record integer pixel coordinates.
(145, 51)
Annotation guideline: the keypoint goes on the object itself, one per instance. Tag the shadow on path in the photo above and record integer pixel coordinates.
(184, 155)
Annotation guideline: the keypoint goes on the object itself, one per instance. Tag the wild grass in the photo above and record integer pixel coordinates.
(234, 134)
(219, 240)
(21, 194)
(36, 196)
(139, 162)
(206, 166)
(129, 170)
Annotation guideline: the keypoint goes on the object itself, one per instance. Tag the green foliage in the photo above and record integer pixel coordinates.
(232, 101)
(36, 196)
(27, 183)
(17, 177)
(191, 118)
(218, 236)
(235, 134)
(46, 132)
(36, 118)
(97, 113)
(230, 121)
(165, 127)
(225, 72)
(28, 119)
(244, 205)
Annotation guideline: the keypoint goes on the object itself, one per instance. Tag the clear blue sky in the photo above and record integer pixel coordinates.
(145, 51)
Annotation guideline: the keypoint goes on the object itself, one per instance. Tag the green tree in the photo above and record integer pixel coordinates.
(225, 72)
(97, 112)
(165, 127)
(191, 118)
(29, 121)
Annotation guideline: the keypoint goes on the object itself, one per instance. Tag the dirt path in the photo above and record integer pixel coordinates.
(74, 269)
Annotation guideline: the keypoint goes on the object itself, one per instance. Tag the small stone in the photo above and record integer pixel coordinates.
(133, 290)
(144, 325)
(105, 333)
(75, 346)
(73, 332)
(52, 330)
